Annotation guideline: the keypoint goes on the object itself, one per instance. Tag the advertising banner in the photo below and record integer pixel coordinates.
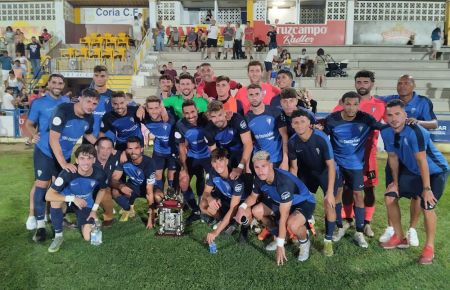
(109, 15)
(442, 133)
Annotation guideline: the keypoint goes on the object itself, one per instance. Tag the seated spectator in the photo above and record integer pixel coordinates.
(9, 102)
(170, 70)
(259, 44)
(163, 69)
(191, 41)
(306, 101)
(19, 71)
(15, 83)
(184, 69)
(175, 38)
(45, 36)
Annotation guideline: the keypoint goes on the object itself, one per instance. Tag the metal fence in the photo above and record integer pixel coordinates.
(12, 123)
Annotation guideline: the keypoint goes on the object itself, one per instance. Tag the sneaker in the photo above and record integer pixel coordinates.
(395, 242)
(272, 246)
(192, 218)
(339, 234)
(387, 235)
(243, 235)
(303, 255)
(230, 230)
(368, 231)
(132, 213)
(328, 248)
(56, 244)
(40, 235)
(427, 256)
(360, 240)
(31, 223)
(263, 234)
(124, 216)
(348, 225)
(413, 240)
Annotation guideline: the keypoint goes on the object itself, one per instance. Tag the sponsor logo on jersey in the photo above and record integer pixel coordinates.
(285, 195)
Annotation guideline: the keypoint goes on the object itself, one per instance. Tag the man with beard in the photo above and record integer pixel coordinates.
(289, 104)
(207, 86)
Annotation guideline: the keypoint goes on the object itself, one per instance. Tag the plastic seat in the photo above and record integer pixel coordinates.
(108, 53)
(96, 52)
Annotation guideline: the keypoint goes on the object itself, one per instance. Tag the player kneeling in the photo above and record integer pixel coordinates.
(76, 189)
(286, 201)
(222, 195)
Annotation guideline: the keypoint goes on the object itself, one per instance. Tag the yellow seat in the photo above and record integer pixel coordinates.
(96, 52)
(97, 42)
(86, 41)
(82, 52)
(123, 41)
(111, 42)
(108, 53)
(107, 35)
(121, 53)
(68, 52)
(121, 35)
(94, 35)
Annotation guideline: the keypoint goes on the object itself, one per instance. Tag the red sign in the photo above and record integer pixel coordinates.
(331, 33)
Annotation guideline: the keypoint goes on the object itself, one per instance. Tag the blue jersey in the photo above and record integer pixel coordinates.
(42, 110)
(70, 126)
(104, 106)
(311, 155)
(83, 187)
(411, 140)
(227, 187)
(122, 127)
(285, 188)
(163, 132)
(110, 165)
(419, 107)
(140, 174)
(195, 137)
(265, 130)
(348, 138)
(288, 120)
(230, 136)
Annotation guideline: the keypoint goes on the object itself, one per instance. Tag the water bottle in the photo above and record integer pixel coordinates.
(96, 234)
(213, 248)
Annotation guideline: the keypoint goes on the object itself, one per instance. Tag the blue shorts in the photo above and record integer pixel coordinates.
(268, 66)
(82, 215)
(45, 167)
(305, 208)
(313, 180)
(224, 201)
(353, 178)
(162, 162)
(195, 166)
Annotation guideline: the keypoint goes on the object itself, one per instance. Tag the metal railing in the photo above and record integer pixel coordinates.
(12, 122)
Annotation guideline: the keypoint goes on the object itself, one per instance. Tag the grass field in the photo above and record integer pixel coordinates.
(133, 258)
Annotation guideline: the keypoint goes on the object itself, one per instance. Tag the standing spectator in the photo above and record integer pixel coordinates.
(8, 102)
(19, 71)
(45, 35)
(436, 36)
(202, 39)
(272, 34)
(19, 40)
(163, 69)
(14, 82)
(228, 35)
(171, 71)
(208, 17)
(9, 39)
(237, 47)
(34, 55)
(159, 36)
(6, 62)
(301, 69)
(137, 32)
(175, 38)
(320, 63)
(191, 41)
(211, 43)
(272, 56)
(142, 24)
(249, 37)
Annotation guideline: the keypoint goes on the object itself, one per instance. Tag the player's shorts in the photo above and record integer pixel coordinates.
(45, 167)
(437, 44)
(353, 178)
(211, 42)
(268, 65)
(82, 215)
(410, 186)
(305, 208)
(371, 171)
(313, 180)
(197, 165)
(228, 44)
(224, 201)
(162, 162)
(248, 43)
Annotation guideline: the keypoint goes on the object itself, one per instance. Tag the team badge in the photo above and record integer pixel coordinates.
(318, 151)
(59, 181)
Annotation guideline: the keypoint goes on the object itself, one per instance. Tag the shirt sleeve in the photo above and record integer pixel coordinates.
(59, 119)
(90, 128)
(427, 113)
(286, 192)
(256, 186)
(280, 120)
(179, 138)
(238, 187)
(151, 175)
(105, 125)
(33, 115)
(291, 149)
(387, 143)
(61, 181)
(240, 124)
(209, 135)
(327, 150)
(417, 139)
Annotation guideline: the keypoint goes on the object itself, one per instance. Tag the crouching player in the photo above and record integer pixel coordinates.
(135, 178)
(77, 190)
(424, 175)
(286, 201)
(222, 195)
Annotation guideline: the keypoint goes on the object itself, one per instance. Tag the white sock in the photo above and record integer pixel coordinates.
(40, 224)
(58, 235)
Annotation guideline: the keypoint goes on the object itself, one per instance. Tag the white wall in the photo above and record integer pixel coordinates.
(285, 15)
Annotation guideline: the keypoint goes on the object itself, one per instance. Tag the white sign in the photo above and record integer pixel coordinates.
(76, 74)
(109, 15)
(7, 126)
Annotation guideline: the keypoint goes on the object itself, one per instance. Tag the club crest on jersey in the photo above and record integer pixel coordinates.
(85, 127)
(406, 141)
(243, 125)
(92, 183)
(360, 127)
(413, 110)
(59, 181)
(165, 127)
(317, 150)
(269, 121)
(39, 172)
(374, 109)
(131, 119)
(238, 187)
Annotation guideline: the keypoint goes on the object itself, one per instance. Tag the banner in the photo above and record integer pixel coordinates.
(330, 33)
(442, 133)
(109, 15)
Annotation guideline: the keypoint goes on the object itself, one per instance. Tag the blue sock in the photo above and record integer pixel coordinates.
(57, 219)
(190, 200)
(359, 219)
(339, 215)
(123, 202)
(159, 184)
(329, 230)
(39, 203)
(170, 182)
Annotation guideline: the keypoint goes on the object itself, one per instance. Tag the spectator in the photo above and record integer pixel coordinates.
(272, 35)
(175, 38)
(228, 36)
(45, 35)
(19, 40)
(412, 39)
(211, 43)
(9, 102)
(184, 69)
(137, 32)
(259, 44)
(436, 40)
(163, 69)
(306, 101)
(191, 41)
(237, 47)
(14, 82)
(35, 94)
(9, 39)
(249, 37)
(129, 100)
(159, 36)
(171, 71)
(208, 17)
(6, 62)
(197, 75)
(320, 63)
(23, 61)
(203, 39)
(19, 71)
(34, 55)
(272, 56)
(301, 68)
